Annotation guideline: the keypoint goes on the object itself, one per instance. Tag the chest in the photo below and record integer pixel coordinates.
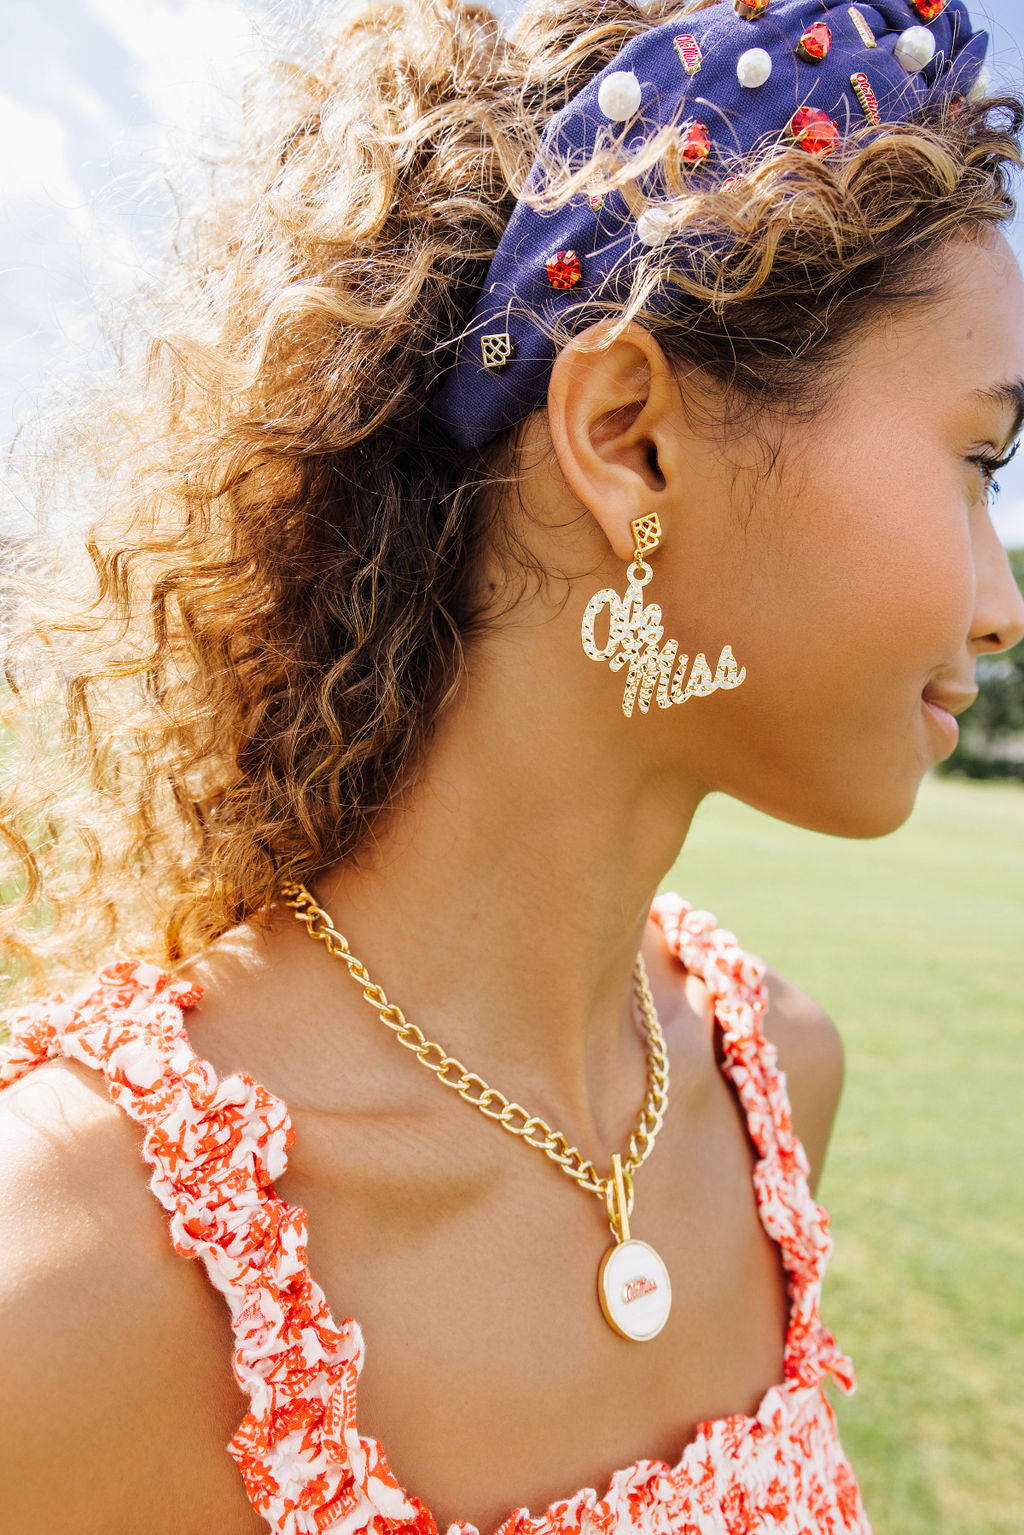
(490, 1376)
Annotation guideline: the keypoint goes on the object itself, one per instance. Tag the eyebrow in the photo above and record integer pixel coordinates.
(1011, 394)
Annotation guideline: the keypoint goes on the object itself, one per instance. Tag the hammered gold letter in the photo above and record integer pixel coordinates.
(604, 598)
(726, 675)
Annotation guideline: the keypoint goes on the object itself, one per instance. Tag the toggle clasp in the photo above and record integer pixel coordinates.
(618, 1196)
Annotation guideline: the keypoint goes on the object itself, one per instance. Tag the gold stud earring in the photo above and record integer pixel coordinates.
(634, 638)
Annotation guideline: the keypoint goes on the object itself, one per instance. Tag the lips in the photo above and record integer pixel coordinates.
(953, 702)
(944, 721)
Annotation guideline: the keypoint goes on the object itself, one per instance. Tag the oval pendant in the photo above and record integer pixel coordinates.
(635, 1291)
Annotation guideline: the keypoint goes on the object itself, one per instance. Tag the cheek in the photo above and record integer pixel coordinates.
(882, 574)
(848, 594)
(937, 598)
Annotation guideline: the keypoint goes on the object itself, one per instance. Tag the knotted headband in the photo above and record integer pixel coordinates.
(735, 77)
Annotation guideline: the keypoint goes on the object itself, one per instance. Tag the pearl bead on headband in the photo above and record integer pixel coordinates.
(735, 77)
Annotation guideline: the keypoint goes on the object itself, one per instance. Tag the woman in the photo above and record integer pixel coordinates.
(362, 660)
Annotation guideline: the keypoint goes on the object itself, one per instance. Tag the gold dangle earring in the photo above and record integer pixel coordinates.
(634, 637)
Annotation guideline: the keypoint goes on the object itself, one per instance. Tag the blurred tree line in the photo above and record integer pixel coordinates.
(991, 741)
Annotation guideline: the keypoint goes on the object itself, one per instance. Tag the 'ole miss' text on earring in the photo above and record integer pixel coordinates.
(635, 633)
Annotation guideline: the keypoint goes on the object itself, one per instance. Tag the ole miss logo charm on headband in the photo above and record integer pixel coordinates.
(866, 96)
(689, 52)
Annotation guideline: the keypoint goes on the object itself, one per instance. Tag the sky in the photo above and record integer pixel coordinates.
(97, 97)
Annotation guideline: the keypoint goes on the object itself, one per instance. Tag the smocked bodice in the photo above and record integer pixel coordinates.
(216, 1148)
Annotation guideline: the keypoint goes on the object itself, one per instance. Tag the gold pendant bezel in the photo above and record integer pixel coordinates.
(606, 1303)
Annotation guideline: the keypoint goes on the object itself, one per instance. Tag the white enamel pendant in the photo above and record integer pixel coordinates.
(634, 1290)
(632, 1283)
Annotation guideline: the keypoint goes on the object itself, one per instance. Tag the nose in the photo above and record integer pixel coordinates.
(999, 608)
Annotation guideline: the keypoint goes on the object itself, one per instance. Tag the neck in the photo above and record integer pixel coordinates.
(503, 905)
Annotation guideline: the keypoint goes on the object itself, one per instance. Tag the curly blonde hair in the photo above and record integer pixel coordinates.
(284, 552)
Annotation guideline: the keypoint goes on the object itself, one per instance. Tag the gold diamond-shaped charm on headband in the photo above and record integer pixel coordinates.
(497, 349)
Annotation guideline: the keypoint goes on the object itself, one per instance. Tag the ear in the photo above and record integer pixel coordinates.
(616, 420)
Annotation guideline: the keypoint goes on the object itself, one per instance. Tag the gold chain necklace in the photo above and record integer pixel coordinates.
(633, 1284)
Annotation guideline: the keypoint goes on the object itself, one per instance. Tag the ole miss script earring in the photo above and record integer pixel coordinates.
(635, 633)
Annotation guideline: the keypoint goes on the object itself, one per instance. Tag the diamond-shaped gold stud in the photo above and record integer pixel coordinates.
(646, 533)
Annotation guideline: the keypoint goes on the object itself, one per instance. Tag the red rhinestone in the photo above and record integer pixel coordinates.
(813, 131)
(929, 9)
(815, 42)
(750, 10)
(696, 143)
(563, 269)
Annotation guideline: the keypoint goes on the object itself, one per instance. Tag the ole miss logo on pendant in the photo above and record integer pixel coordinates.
(634, 1290)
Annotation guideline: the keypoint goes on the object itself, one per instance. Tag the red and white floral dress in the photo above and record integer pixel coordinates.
(216, 1147)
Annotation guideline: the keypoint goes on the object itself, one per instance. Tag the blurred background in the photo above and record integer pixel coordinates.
(912, 942)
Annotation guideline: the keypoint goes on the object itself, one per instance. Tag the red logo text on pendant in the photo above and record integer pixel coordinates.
(689, 52)
(635, 1288)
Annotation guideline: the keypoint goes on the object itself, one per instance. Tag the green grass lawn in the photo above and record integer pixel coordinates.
(914, 943)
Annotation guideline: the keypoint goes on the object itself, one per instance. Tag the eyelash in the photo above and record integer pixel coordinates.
(990, 466)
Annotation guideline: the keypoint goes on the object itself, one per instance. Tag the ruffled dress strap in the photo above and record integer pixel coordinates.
(789, 1213)
(215, 1148)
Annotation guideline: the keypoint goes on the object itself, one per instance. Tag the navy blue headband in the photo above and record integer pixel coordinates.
(734, 77)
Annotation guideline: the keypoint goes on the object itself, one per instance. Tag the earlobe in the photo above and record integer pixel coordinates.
(605, 404)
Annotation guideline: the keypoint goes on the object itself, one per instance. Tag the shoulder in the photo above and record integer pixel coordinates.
(105, 1331)
(810, 1053)
(807, 1042)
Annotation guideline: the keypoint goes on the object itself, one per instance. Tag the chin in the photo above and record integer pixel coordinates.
(885, 815)
(861, 810)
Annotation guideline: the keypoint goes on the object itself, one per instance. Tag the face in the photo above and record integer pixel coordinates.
(863, 573)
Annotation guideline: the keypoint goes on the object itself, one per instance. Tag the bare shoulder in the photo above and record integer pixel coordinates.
(810, 1051)
(110, 1339)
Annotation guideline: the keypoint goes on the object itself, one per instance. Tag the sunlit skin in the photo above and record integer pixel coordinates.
(863, 571)
(502, 906)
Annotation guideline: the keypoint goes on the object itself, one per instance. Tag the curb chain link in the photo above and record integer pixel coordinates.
(511, 1116)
